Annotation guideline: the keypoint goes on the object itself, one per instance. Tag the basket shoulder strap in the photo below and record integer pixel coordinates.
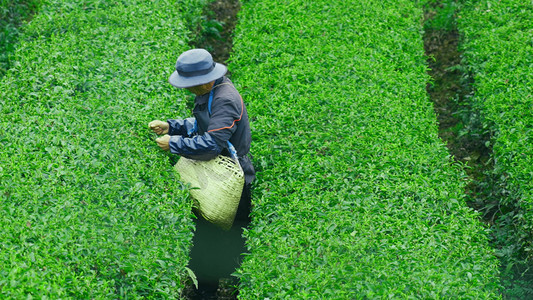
(231, 148)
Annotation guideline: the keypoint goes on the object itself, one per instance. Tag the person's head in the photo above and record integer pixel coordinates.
(201, 89)
(196, 71)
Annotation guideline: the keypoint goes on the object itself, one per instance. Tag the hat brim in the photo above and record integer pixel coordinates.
(184, 82)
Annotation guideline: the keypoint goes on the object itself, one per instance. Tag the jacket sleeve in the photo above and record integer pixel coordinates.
(182, 127)
(199, 147)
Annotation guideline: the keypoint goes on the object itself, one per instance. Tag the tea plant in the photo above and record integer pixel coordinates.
(13, 14)
(356, 198)
(89, 207)
(497, 44)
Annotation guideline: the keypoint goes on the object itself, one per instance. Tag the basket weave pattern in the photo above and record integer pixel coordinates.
(216, 187)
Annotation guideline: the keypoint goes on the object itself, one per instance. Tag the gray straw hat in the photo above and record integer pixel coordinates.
(196, 67)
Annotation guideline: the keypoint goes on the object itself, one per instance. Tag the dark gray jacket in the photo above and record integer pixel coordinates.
(205, 136)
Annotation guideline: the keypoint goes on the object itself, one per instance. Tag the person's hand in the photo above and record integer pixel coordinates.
(162, 142)
(159, 127)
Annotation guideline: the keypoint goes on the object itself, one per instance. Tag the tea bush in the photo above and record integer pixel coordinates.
(497, 43)
(13, 14)
(89, 206)
(356, 197)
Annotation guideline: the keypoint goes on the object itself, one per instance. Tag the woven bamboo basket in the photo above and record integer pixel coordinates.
(216, 187)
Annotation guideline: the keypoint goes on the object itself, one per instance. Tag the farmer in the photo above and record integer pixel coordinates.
(203, 138)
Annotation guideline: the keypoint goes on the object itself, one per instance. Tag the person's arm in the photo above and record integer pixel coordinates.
(184, 127)
(222, 124)
(199, 147)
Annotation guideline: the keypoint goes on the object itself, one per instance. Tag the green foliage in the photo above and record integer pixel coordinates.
(13, 13)
(444, 12)
(498, 48)
(90, 208)
(208, 29)
(356, 197)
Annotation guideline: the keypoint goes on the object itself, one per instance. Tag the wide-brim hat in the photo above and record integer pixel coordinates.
(196, 67)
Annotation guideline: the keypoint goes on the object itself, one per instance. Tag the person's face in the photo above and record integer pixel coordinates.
(201, 89)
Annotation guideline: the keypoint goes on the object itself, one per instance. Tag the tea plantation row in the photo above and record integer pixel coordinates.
(498, 47)
(356, 198)
(88, 204)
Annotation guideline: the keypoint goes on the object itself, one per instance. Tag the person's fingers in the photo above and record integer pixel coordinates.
(156, 123)
(158, 127)
(154, 126)
(163, 141)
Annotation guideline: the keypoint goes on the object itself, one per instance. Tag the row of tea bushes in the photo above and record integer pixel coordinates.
(356, 195)
(89, 207)
(497, 43)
